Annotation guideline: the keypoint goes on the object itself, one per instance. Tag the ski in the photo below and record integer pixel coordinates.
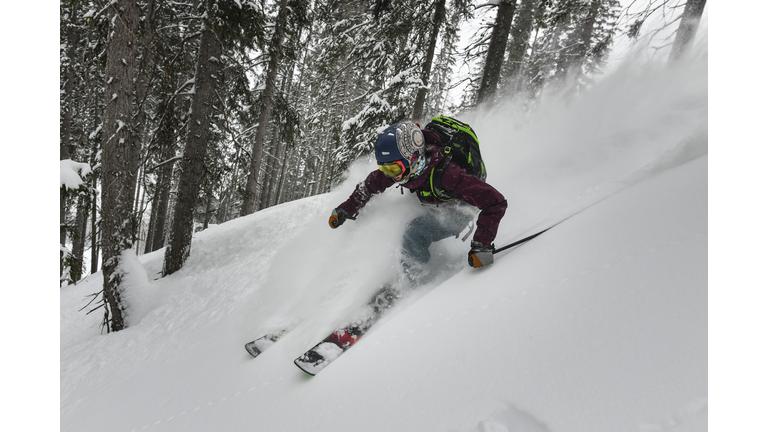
(342, 339)
(258, 346)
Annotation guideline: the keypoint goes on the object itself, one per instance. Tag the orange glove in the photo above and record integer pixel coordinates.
(338, 217)
(480, 255)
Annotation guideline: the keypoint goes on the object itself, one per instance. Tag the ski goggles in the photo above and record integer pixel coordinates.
(393, 169)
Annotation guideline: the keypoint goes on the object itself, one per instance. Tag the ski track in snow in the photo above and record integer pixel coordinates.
(597, 325)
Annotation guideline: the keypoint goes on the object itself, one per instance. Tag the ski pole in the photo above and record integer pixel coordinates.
(513, 244)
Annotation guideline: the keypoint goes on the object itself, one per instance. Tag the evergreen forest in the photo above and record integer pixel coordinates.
(176, 115)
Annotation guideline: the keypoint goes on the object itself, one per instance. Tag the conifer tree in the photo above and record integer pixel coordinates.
(519, 44)
(67, 65)
(575, 37)
(497, 46)
(689, 23)
(387, 57)
(436, 21)
(442, 80)
(120, 150)
(209, 65)
(228, 28)
(267, 100)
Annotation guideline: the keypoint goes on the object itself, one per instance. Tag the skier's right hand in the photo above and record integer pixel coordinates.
(480, 255)
(338, 217)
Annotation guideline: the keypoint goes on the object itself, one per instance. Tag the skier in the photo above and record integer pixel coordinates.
(408, 156)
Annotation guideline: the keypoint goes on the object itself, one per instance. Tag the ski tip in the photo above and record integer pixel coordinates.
(261, 344)
(252, 350)
(316, 359)
(306, 368)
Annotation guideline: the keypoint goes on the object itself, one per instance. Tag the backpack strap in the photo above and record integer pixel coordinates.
(436, 180)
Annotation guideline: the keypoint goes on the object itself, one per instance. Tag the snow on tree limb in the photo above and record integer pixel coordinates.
(72, 173)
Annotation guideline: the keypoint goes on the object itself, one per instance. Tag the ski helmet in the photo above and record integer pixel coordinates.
(401, 145)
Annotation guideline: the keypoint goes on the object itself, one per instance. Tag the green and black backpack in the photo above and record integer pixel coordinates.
(461, 146)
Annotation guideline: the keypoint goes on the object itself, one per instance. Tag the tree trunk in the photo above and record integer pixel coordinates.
(206, 76)
(165, 181)
(140, 123)
(249, 201)
(209, 210)
(227, 203)
(94, 217)
(78, 238)
(421, 95)
(496, 48)
(281, 180)
(159, 200)
(578, 44)
(520, 35)
(269, 175)
(156, 236)
(62, 226)
(689, 24)
(117, 159)
(586, 31)
(325, 171)
(65, 126)
(67, 106)
(138, 206)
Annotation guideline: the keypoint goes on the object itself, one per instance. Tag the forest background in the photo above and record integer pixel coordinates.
(178, 115)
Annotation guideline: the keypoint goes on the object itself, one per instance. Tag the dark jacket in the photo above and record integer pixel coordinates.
(465, 187)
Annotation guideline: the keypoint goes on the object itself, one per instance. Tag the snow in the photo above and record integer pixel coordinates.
(139, 294)
(95, 133)
(600, 324)
(72, 173)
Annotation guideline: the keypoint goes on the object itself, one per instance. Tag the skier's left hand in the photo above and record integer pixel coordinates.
(480, 255)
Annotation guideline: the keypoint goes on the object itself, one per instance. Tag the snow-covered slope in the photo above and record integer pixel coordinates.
(598, 325)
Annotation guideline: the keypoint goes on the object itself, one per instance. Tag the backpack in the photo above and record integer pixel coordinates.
(461, 146)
